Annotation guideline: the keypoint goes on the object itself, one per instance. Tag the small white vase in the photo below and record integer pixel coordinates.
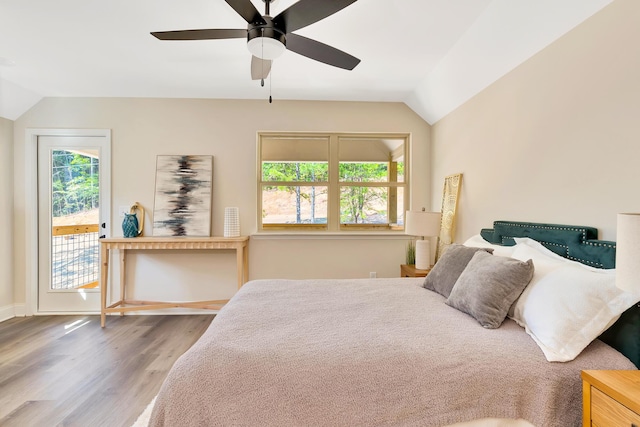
(231, 222)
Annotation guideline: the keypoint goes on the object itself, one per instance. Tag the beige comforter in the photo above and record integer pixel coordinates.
(381, 352)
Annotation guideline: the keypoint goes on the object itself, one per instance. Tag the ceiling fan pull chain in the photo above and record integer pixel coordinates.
(270, 80)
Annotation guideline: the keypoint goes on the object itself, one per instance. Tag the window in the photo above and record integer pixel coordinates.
(332, 182)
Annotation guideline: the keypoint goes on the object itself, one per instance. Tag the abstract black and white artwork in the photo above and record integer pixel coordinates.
(182, 205)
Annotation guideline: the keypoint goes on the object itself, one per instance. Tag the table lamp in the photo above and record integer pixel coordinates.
(422, 224)
(628, 252)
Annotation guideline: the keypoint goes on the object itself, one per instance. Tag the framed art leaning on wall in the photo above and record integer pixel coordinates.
(450, 195)
(183, 194)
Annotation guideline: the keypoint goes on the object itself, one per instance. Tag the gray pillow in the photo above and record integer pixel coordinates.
(453, 261)
(488, 286)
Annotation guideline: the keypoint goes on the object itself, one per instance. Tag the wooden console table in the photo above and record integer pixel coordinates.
(239, 244)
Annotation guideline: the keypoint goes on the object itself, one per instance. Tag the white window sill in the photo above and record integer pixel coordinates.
(323, 235)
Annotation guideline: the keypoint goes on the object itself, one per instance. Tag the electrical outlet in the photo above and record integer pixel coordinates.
(123, 210)
(373, 275)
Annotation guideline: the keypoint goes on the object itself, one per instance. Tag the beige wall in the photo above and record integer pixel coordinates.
(6, 219)
(226, 129)
(557, 139)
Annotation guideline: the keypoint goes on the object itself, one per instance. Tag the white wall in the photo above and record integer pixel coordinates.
(556, 140)
(226, 129)
(6, 219)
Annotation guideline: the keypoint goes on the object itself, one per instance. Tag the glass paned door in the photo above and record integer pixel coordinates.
(69, 222)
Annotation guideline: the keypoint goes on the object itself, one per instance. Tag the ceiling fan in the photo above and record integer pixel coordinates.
(268, 37)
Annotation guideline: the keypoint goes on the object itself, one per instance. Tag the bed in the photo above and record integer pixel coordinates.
(388, 352)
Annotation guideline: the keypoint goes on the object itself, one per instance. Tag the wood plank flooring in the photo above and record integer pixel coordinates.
(67, 371)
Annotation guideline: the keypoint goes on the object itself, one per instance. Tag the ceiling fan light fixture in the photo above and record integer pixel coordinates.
(268, 37)
(265, 47)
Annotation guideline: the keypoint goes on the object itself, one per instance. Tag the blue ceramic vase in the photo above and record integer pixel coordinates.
(130, 225)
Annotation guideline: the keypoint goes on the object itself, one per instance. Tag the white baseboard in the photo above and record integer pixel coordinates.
(10, 311)
(19, 310)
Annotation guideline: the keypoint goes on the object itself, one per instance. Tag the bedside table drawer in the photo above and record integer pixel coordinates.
(605, 411)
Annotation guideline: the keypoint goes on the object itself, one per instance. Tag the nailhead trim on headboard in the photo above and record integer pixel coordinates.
(601, 243)
(565, 240)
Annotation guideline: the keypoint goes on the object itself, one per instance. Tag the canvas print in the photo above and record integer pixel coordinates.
(182, 205)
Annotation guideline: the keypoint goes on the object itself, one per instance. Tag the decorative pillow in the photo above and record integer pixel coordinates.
(446, 271)
(478, 241)
(488, 286)
(567, 304)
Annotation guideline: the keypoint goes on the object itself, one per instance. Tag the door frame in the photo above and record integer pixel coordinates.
(31, 203)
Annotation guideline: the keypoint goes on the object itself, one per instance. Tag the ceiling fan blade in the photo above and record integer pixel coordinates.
(247, 10)
(321, 52)
(260, 68)
(306, 12)
(211, 34)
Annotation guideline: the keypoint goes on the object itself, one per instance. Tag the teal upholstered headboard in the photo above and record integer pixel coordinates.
(570, 241)
(579, 244)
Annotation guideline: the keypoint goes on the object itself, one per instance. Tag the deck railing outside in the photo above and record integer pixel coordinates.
(75, 256)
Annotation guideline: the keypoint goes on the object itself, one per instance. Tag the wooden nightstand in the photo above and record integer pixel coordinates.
(611, 398)
(410, 270)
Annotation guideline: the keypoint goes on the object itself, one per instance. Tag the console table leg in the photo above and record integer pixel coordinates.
(123, 253)
(104, 274)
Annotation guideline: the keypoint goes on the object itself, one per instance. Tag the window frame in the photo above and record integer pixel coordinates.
(334, 185)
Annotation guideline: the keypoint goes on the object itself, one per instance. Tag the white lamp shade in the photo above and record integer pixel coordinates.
(628, 252)
(421, 223)
(265, 47)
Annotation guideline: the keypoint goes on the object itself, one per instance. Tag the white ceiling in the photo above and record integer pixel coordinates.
(431, 54)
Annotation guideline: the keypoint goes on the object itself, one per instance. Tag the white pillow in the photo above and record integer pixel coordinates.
(543, 265)
(478, 241)
(567, 304)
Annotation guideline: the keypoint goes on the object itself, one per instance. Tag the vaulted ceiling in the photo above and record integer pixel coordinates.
(431, 54)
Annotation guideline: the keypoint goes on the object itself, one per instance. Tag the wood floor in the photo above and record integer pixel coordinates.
(67, 371)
